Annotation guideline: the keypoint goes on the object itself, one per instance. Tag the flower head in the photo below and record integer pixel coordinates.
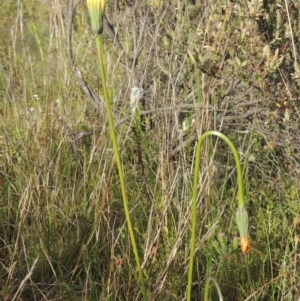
(96, 10)
(242, 221)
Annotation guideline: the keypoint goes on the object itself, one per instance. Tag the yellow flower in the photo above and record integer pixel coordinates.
(242, 221)
(245, 245)
(96, 11)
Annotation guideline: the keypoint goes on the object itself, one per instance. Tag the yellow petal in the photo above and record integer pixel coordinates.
(96, 11)
(96, 4)
(245, 245)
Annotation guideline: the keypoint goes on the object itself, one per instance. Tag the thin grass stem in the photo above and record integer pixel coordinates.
(206, 290)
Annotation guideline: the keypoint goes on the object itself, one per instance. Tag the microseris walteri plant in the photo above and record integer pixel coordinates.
(242, 218)
(96, 11)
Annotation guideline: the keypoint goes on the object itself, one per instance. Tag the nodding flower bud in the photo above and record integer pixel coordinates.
(96, 10)
(242, 220)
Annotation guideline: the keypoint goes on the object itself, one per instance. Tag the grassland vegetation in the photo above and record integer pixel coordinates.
(202, 65)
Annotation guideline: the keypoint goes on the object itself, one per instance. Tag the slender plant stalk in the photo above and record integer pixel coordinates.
(99, 42)
(244, 215)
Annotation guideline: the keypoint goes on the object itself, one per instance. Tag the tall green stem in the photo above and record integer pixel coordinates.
(194, 201)
(99, 42)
